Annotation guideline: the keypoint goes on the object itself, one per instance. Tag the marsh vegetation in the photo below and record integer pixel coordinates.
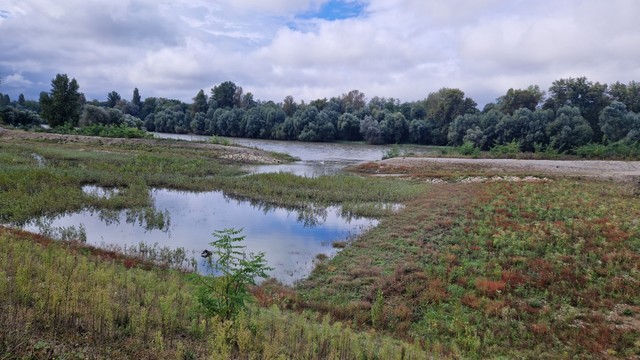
(460, 270)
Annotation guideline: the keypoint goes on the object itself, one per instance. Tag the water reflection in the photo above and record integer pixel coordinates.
(291, 238)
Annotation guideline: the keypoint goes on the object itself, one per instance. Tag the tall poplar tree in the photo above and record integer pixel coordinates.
(62, 104)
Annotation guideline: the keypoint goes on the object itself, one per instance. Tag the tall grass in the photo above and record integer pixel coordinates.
(63, 301)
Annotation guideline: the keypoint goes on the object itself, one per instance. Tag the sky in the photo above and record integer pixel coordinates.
(312, 49)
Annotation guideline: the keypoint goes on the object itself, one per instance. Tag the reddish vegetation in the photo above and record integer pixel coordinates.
(102, 254)
(490, 288)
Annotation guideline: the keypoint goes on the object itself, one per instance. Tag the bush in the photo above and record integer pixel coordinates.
(224, 293)
(512, 148)
(616, 150)
(468, 149)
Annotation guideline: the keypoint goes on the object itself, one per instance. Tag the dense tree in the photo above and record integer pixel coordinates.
(459, 127)
(419, 132)
(353, 101)
(5, 100)
(289, 105)
(223, 95)
(113, 98)
(349, 127)
(200, 104)
(616, 121)
(569, 130)
(199, 124)
(629, 95)
(135, 98)
(370, 130)
(394, 128)
(62, 104)
(21, 100)
(588, 97)
(516, 99)
(92, 114)
(442, 108)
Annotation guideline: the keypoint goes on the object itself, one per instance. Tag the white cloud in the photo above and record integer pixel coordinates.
(396, 48)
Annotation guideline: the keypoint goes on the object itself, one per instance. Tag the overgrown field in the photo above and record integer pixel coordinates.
(545, 269)
(60, 301)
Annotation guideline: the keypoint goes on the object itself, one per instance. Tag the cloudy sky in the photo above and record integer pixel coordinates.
(315, 48)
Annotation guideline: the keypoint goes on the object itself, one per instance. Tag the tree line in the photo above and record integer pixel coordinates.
(572, 113)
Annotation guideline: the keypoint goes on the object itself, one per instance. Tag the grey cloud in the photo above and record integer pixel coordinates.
(398, 48)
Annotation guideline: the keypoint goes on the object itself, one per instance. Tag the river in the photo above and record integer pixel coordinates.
(316, 159)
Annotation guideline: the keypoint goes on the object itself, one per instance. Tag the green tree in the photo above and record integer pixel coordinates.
(516, 99)
(136, 99)
(289, 105)
(113, 98)
(62, 104)
(199, 104)
(349, 127)
(616, 121)
(591, 98)
(442, 108)
(224, 95)
(629, 95)
(370, 130)
(569, 130)
(225, 293)
(353, 101)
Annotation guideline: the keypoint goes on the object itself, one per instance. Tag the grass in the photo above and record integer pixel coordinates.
(506, 270)
(61, 300)
(51, 182)
(499, 269)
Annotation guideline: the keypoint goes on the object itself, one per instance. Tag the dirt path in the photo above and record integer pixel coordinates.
(612, 170)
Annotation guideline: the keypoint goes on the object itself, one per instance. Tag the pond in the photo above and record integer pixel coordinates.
(316, 159)
(291, 238)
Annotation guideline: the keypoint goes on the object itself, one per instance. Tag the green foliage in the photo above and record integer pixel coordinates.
(617, 150)
(468, 149)
(616, 122)
(225, 292)
(517, 99)
(377, 310)
(62, 105)
(569, 130)
(111, 131)
(219, 140)
(394, 151)
(510, 149)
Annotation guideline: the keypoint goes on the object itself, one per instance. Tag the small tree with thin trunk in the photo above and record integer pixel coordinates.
(224, 293)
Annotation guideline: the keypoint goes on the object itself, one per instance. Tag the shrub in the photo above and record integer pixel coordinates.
(224, 293)
(468, 149)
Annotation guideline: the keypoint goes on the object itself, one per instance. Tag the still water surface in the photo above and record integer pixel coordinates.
(316, 159)
(290, 238)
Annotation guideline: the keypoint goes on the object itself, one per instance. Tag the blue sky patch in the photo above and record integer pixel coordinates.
(336, 10)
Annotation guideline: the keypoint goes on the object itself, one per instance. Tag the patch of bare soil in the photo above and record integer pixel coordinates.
(625, 171)
(234, 153)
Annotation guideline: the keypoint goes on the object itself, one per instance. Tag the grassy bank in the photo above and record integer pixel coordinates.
(499, 269)
(63, 301)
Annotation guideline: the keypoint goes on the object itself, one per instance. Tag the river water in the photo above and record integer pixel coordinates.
(316, 159)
